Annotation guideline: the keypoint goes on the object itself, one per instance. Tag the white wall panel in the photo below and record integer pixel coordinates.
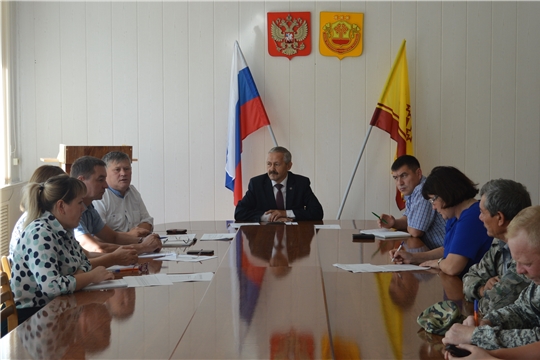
(26, 91)
(99, 73)
(426, 109)
(73, 73)
(527, 152)
(454, 95)
(150, 100)
(175, 174)
(478, 90)
(156, 76)
(201, 98)
(226, 20)
(48, 78)
(503, 90)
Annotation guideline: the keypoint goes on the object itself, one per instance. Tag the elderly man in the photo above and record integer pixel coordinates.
(92, 233)
(494, 281)
(279, 195)
(419, 219)
(519, 323)
(122, 207)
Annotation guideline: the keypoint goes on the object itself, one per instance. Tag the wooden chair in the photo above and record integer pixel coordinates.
(6, 267)
(9, 311)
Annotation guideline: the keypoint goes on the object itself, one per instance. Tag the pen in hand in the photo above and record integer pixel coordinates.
(399, 248)
(378, 217)
(475, 312)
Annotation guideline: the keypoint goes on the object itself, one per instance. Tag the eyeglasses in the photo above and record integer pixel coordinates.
(432, 200)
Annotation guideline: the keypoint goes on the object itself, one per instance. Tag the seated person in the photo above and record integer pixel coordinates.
(419, 219)
(279, 195)
(452, 194)
(53, 211)
(121, 206)
(92, 233)
(125, 255)
(494, 281)
(516, 324)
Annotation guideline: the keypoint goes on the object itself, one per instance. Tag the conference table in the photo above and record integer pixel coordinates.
(275, 294)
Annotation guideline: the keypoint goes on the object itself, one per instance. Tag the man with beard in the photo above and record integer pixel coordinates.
(279, 195)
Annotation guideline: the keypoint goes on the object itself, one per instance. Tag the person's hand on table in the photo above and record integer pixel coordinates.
(458, 334)
(401, 256)
(431, 263)
(390, 221)
(476, 353)
(151, 243)
(139, 231)
(277, 215)
(125, 255)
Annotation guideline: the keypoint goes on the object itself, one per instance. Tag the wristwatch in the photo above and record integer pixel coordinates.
(439, 262)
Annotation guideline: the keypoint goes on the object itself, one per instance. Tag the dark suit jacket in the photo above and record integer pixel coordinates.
(260, 198)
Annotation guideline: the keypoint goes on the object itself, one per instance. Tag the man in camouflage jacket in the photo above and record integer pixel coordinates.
(519, 323)
(494, 281)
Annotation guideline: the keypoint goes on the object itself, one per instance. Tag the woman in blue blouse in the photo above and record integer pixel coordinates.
(47, 260)
(466, 241)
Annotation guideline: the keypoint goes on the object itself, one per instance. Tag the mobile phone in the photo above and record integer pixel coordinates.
(457, 352)
(201, 252)
(176, 231)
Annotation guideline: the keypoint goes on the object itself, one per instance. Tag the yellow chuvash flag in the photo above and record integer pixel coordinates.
(393, 111)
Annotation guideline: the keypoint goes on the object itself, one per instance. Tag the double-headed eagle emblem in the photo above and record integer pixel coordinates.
(288, 34)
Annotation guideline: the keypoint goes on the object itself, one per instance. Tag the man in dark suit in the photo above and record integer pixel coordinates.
(279, 195)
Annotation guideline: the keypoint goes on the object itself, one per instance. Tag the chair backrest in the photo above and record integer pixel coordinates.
(9, 311)
(6, 266)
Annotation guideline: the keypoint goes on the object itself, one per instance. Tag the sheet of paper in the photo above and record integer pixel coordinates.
(154, 255)
(178, 240)
(147, 280)
(355, 268)
(386, 233)
(194, 258)
(237, 225)
(206, 276)
(107, 284)
(328, 226)
(217, 237)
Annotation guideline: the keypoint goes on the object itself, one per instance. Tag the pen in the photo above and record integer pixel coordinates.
(475, 312)
(125, 269)
(399, 248)
(378, 217)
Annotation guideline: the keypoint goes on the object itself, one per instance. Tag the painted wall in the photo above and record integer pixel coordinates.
(156, 76)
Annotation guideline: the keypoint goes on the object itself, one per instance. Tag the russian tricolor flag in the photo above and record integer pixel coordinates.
(246, 115)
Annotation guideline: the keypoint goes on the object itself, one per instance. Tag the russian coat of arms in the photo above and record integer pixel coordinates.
(289, 34)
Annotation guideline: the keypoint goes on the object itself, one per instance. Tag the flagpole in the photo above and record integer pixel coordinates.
(353, 173)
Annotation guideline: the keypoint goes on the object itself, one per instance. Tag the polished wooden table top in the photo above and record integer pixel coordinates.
(275, 294)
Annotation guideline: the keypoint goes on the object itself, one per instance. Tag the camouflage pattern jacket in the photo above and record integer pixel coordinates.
(503, 293)
(514, 325)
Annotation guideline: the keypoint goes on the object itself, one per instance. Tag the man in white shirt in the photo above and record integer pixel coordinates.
(122, 207)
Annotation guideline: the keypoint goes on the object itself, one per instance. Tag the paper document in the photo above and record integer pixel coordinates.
(386, 233)
(237, 225)
(215, 237)
(206, 276)
(107, 284)
(154, 255)
(178, 240)
(328, 226)
(147, 280)
(355, 268)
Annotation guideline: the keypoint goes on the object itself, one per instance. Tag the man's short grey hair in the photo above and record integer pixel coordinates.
(115, 156)
(287, 157)
(507, 196)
